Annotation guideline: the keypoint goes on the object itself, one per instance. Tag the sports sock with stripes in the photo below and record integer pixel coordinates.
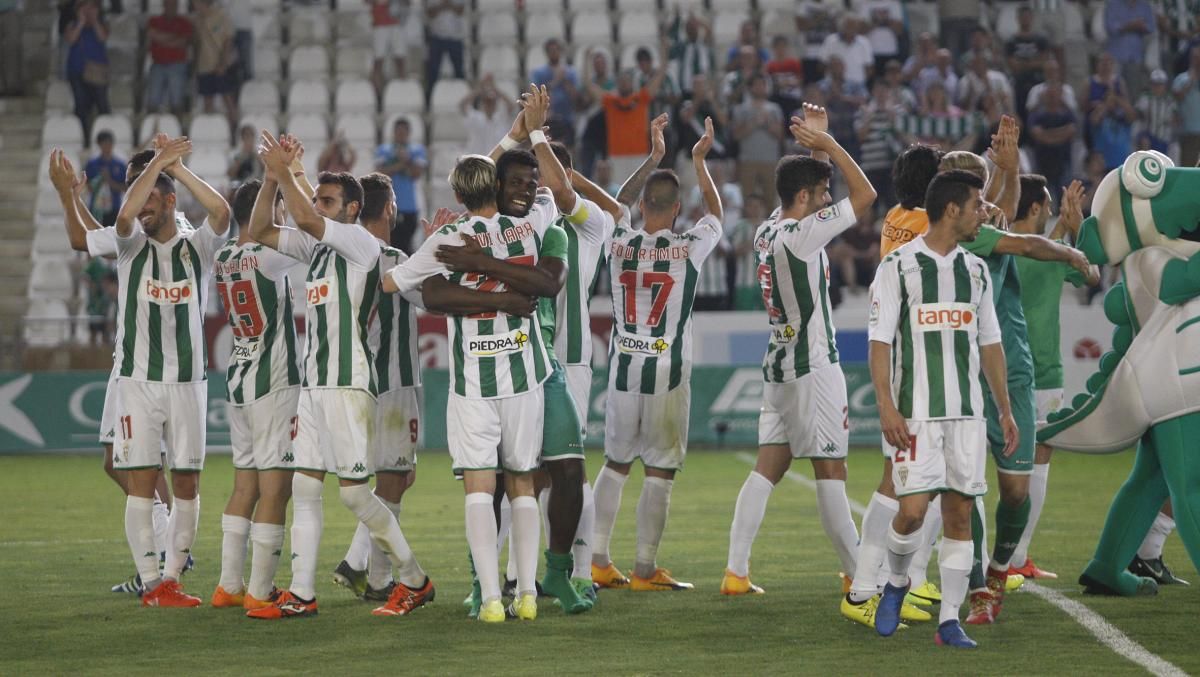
(1152, 545)
(139, 532)
(900, 549)
(1010, 524)
(185, 516)
(834, 509)
(1037, 498)
(581, 551)
(607, 498)
(525, 541)
(748, 515)
(308, 518)
(481, 537)
(918, 571)
(653, 507)
(872, 547)
(234, 532)
(266, 546)
(954, 565)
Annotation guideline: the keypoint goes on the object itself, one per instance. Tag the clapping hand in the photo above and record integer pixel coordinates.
(705, 143)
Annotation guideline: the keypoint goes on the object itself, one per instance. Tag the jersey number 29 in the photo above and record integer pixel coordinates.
(241, 305)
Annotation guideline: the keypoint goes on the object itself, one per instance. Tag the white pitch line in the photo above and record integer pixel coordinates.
(1102, 630)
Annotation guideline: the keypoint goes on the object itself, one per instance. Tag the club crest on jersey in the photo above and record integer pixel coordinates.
(319, 291)
(491, 345)
(784, 334)
(943, 316)
(641, 345)
(166, 293)
(827, 213)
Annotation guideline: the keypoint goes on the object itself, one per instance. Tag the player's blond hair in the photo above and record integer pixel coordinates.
(965, 161)
(474, 181)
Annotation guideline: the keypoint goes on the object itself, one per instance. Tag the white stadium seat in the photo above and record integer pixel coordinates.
(259, 96)
(497, 28)
(209, 161)
(354, 96)
(638, 26)
(499, 60)
(165, 123)
(358, 128)
(547, 6)
(727, 26)
(309, 27)
(58, 97)
(594, 27)
(265, 27)
(260, 122)
(446, 96)
(308, 63)
(120, 127)
(589, 5)
(311, 128)
(63, 131)
(209, 128)
(266, 62)
(442, 158)
(449, 127)
(541, 26)
(364, 159)
(353, 27)
(308, 96)
(624, 7)
(50, 241)
(47, 323)
(354, 61)
(403, 96)
(495, 6)
(50, 279)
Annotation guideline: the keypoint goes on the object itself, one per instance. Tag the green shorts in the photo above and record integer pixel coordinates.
(1024, 411)
(561, 431)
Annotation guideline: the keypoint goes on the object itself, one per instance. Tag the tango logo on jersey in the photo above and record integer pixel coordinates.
(491, 345)
(319, 291)
(783, 334)
(942, 316)
(166, 293)
(641, 345)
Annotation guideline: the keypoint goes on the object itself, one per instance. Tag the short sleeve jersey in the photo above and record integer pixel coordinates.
(492, 355)
(654, 277)
(393, 336)
(1041, 294)
(255, 292)
(901, 226)
(1006, 295)
(793, 274)
(587, 230)
(935, 311)
(341, 289)
(160, 304)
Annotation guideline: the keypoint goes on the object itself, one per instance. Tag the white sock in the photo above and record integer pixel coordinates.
(185, 517)
(955, 567)
(505, 527)
(652, 509)
(918, 571)
(607, 498)
(543, 500)
(1152, 546)
(385, 532)
(1037, 499)
(525, 542)
(510, 571)
(481, 537)
(983, 549)
(379, 568)
(872, 546)
(308, 519)
(834, 509)
(267, 543)
(900, 553)
(581, 551)
(139, 532)
(358, 555)
(234, 532)
(162, 526)
(748, 515)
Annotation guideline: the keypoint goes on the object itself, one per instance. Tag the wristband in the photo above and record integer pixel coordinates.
(508, 143)
(537, 136)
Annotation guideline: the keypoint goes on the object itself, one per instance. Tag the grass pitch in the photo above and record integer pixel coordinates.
(62, 546)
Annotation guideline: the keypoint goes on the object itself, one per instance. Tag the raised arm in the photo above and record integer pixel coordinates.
(516, 135)
(68, 185)
(537, 106)
(139, 191)
(544, 280)
(208, 197)
(290, 142)
(632, 188)
(278, 161)
(1004, 185)
(817, 119)
(862, 194)
(708, 189)
(591, 191)
(262, 227)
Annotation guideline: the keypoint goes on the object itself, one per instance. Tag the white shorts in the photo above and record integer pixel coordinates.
(476, 429)
(946, 455)
(108, 417)
(808, 414)
(1047, 401)
(397, 429)
(579, 383)
(653, 428)
(334, 431)
(261, 432)
(390, 41)
(148, 413)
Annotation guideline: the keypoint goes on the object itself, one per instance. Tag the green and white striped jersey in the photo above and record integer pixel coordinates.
(342, 288)
(160, 305)
(935, 311)
(103, 241)
(253, 285)
(492, 355)
(394, 333)
(654, 277)
(793, 275)
(588, 230)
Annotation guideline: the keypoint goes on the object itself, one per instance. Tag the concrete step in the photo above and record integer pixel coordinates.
(21, 105)
(25, 191)
(15, 251)
(12, 308)
(16, 230)
(21, 123)
(17, 212)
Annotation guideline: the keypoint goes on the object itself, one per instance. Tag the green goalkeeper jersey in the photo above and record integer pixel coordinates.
(1006, 295)
(1041, 295)
(554, 245)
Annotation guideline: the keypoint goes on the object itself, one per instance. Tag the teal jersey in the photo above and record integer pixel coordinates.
(1041, 295)
(554, 245)
(1006, 295)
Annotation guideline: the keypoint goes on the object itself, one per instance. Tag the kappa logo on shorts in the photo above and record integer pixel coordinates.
(166, 293)
(497, 344)
(358, 468)
(943, 316)
(634, 344)
(320, 291)
(829, 448)
(288, 457)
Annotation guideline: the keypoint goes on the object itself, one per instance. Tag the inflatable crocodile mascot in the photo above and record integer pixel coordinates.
(1145, 219)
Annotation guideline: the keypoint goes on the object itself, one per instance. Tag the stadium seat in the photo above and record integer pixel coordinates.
(499, 60)
(50, 279)
(546, 6)
(765, 5)
(541, 26)
(442, 158)
(354, 62)
(259, 96)
(48, 207)
(364, 158)
(589, 6)
(208, 161)
(593, 27)
(726, 26)
(311, 128)
(63, 131)
(353, 27)
(120, 127)
(495, 6)
(624, 7)
(638, 27)
(210, 128)
(449, 128)
(266, 62)
(308, 96)
(265, 5)
(47, 323)
(152, 124)
(726, 5)
(309, 62)
(535, 58)
(50, 241)
(266, 29)
(416, 126)
(358, 128)
(355, 96)
(497, 28)
(309, 27)
(58, 97)
(446, 96)
(777, 21)
(403, 96)
(261, 121)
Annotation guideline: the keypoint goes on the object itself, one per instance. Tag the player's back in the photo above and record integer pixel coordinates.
(901, 226)
(654, 277)
(393, 335)
(587, 232)
(255, 292)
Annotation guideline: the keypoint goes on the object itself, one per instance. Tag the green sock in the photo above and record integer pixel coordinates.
(977, 579)
(557, 582)
(1010, 524)
(476, 592)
